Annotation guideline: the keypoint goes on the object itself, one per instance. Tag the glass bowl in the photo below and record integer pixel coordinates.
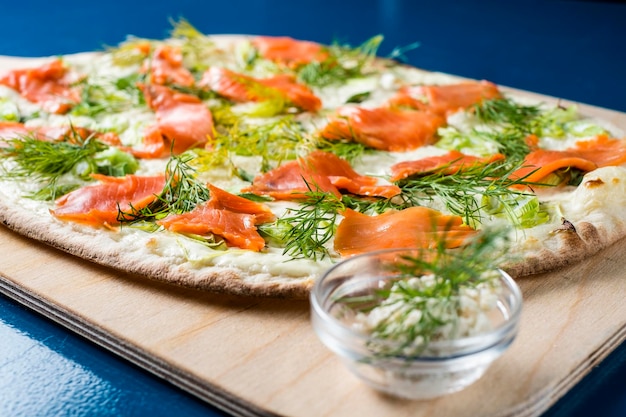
(440, 366)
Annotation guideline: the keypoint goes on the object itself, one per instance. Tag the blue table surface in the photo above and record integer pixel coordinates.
(575, 50)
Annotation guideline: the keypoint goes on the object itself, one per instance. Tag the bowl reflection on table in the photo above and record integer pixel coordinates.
(442, 367)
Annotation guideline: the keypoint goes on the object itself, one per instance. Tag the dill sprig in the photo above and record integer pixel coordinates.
(510, 124)
(306, 230)
(342, 63)
(47, 162)
(509, 142)
(462, 193)
(182, 193)
(504, 111)
(424, 295)
(350, 151)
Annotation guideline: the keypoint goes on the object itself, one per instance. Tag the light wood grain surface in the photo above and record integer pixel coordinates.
(254, 356)
(260, 356)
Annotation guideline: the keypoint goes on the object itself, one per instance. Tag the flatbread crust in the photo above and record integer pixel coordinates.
(585, 233)
(101, 247)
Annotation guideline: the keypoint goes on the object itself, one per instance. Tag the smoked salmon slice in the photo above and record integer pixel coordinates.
(49, 85)
(384, 128)
(166, 67)
(318, 171)
(16, 130)
(447, 164)
(227, 215)
(446, 99)
(602, 150)
(12, 130)
(183, 122)
(288, 51)
(540, 163)
(242, 88)
(99, 204)
(414, 227)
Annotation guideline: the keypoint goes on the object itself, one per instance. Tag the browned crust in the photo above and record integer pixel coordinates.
(572, 246)
(232, 281)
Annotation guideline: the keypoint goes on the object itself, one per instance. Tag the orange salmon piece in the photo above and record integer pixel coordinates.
(602, 150)
(448, 164)
(242, 88)
(48, 85)
(288, 51)
(12, 130)
(540, 163)
(227, 215)
(15, 130)
(446, 99)
(166, 67)
(414, 227)
(384, 128)
(321, 171)
(98, 204)
(183, 122)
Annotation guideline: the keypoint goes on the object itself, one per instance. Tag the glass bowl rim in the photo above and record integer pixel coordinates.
(488, 338)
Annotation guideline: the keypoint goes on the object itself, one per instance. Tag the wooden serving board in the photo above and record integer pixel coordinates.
(260, 357)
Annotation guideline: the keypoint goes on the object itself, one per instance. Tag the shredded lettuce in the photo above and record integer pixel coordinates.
(561, 122)
(524, 210)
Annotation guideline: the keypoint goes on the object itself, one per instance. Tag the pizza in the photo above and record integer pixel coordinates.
(251, 164)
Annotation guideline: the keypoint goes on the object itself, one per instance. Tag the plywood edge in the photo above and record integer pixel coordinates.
(210, 393)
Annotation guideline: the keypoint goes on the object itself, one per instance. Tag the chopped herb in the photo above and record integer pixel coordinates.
(305, 231)
(182, 193)
(48, 161)
(422, 302)
(343, 63)
(461, 192)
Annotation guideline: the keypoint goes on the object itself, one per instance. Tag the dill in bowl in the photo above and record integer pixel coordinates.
(419, 323)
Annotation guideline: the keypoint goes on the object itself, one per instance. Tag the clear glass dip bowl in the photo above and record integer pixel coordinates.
(445, 366)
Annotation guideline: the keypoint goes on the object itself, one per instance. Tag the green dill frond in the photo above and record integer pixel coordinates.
(343, 63)
(350, 151)
(424, 295)
(305, 231)
(504, 111)
(461, 192)
(47, 161)
(182, 193)
(398, 53)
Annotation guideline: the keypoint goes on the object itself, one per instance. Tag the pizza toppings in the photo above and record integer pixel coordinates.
(49, 85)
(602, 150)
(183, 122)
(326, 151)
(318, 171)
(415, 227)
(242, 88)
(226, 215)
(288, 51)
(166, 67)
(539, 164)
(446, 99)
(447, 164)
(384, 128)
(12, 130)
(100, 204)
